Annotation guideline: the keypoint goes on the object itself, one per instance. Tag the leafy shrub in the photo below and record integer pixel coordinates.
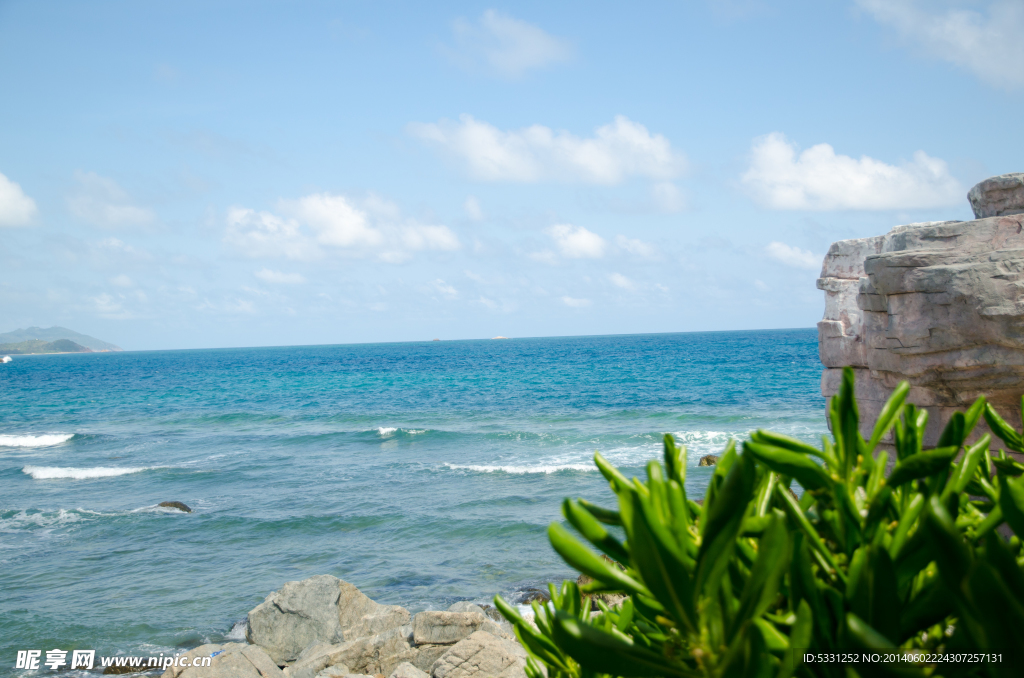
(754, 578)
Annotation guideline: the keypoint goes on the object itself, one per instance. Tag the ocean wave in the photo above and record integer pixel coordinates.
(43, 440)
(13, 521)
(54, 472)
(386, 430)
(519, 470)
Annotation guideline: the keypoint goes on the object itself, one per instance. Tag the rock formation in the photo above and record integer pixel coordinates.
(323, 627)
(939, 304)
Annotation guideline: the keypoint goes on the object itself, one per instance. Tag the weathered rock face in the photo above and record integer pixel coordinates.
(319, 609)
(939, 304)
(480, 655)
(998, 196)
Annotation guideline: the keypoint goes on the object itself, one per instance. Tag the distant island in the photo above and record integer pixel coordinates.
(33, 340)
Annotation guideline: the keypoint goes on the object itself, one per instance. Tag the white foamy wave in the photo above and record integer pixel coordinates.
(21, 520)
(386, 430)
(43, 440)
(52, 472)
(555, 468)
(415, 431)
(237, 632)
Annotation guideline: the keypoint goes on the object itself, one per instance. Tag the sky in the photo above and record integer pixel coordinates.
(212, 174)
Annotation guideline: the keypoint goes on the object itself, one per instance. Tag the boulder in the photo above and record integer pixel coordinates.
(315, 610)
(938, 304)
(407, 670)
(480, 655)
(373, 624)
(998, 196)
(175, 505)
(448, 628)
(426, 655)
(231, 660)
(708, 460)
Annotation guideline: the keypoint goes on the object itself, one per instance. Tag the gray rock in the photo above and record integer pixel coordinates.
(175, 505)
(232, 660)
(480, 655)
(318, 609)
(446, 628)
(708, 460)
(426, 655)
(998, 196)
(407, 670)
(373, 624)
(465, 606)
(938, 304)
(377, 654)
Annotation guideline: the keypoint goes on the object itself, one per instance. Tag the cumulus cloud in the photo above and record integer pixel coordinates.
(637, 248)
(617, 151)
(985, 42)
(575, 303)
(319, 224)
(279, 277)
(577, 242)
(102, 202)
(16, 208)
(819, 179)
(793, 256)
(506, 46)
(622, 281)
(667, 197)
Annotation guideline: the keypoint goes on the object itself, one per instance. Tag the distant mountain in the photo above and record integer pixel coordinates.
(53, 334)
(40, 346)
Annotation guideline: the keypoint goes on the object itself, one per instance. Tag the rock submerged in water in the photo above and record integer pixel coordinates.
(708, 460)
(175, 505)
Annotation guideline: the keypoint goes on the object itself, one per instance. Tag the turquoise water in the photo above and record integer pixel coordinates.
(424, 473)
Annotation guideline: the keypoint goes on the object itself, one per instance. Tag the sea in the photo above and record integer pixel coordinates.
(424, 473)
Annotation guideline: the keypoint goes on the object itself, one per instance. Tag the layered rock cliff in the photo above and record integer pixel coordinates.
(939, 304)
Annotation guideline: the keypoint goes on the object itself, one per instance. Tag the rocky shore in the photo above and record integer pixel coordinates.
(324, 627)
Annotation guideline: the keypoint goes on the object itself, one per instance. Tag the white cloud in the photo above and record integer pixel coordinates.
(544, 257)
(617, 151)
(636, 247)
(577, 242)
(505, 45)
(279, 278)
(793, 256)
(16, 208)
(473, 209)
(760, 285)
(445, 289)
(101, 202)
(987, 43)
(818, 179)
(122, 281)
(575, 303)
(322, 223)
(622, 281)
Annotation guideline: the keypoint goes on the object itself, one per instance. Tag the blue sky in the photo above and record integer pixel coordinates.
(202, 174)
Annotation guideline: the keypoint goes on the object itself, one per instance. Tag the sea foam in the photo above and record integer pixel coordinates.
(43, 440)
(554, 468)
(52, 472)
(386, 430)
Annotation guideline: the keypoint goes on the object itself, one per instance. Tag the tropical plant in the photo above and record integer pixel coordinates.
(845, 578)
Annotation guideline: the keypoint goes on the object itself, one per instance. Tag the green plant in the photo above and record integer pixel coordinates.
(755, 578)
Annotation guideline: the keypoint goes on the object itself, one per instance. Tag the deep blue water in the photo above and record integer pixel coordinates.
(424, 473)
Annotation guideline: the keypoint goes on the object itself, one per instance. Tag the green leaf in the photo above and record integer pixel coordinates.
(661, 565)
(722, 523)
(762, 586)
(606, 516)
(968, 465)
(950, 552)
(921, 465)
(794, 464)
(846, 423)
(1011, 501)
(954, 433)
(610, 654)
(799, 640)
(593, 531)
(1002, 429)
(887, 417)
(787, 443)
(796, 514)
(675, 460)
(586, 561)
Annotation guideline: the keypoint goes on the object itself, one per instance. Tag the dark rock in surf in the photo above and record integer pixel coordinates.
(708, 460)
(175, 505)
